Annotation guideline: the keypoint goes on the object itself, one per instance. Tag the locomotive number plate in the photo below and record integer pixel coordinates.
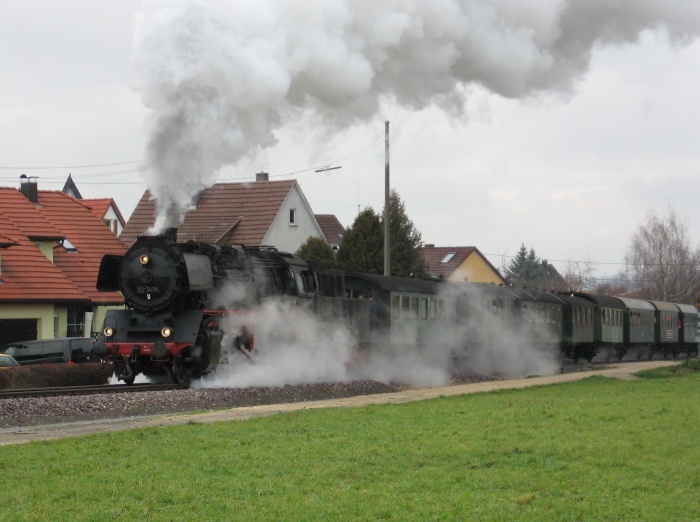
(147, 290)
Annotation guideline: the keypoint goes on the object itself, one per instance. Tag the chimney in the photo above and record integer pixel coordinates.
(28, 187)
(262, 176)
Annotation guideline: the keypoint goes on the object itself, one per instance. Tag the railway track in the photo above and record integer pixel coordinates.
(86, 390)
(566, 367)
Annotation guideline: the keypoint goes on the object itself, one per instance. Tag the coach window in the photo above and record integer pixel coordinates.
(405, 306)
(424, 308)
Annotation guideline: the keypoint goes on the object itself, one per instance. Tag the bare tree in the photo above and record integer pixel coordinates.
(662, 260)
(580, 275)
(618, 285)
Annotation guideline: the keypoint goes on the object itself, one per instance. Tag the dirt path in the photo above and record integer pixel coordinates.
(58, 431)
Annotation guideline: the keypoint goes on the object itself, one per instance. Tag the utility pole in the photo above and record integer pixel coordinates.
(387, 191)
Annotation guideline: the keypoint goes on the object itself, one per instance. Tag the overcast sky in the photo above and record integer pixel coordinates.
(570, 167)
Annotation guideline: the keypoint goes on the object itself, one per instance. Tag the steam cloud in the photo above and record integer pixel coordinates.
(294, 347)
(221, 77)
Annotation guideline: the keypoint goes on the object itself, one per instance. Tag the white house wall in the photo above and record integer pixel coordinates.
(112, 216)
(288, 237)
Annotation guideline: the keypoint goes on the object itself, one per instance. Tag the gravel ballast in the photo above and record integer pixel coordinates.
(75, 408)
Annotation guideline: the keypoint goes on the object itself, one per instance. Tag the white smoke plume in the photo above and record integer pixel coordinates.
(294, 346)
(220, 78)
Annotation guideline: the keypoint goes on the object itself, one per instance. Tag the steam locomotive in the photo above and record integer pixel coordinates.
(176, 295)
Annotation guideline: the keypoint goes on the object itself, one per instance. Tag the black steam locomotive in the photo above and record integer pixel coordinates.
(177, 293)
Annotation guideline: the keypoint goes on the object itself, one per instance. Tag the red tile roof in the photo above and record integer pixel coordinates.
(88, 235)
(6, 241)
(100, 207)
(22, 212)
(226, 213)
(332, 229)
(27, 274)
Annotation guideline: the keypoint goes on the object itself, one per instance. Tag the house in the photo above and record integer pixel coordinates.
(332, 229)
(105, 208)
(258, 213)
(460, 264)
(552, 280)
(51, 246)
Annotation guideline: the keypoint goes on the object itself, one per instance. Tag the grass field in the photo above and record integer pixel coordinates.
(598, 449)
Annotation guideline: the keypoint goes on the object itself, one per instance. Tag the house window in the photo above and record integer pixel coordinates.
(292, 216)
(112, 224)
(448, 257)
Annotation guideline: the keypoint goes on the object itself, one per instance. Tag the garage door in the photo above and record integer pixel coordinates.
(12, 330)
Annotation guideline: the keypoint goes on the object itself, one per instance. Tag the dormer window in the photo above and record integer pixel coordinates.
(112, 224)
(448, 258)
(292, 216)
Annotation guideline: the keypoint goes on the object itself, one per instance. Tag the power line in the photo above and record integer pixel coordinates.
(73, 166)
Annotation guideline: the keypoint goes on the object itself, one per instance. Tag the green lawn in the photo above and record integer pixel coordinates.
(598, 449)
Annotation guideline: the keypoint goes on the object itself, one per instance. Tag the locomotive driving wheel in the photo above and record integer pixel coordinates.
(180, 374)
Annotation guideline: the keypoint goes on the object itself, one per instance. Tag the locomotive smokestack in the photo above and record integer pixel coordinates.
(171, 234)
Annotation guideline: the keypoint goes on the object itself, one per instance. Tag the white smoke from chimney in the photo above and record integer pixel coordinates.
(220, 78)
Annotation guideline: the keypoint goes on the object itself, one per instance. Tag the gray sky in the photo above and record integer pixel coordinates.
(569, 164)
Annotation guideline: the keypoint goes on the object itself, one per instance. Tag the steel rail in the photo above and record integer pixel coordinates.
(104, 389)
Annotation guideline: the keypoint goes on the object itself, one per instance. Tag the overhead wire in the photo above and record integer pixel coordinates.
(82, 179)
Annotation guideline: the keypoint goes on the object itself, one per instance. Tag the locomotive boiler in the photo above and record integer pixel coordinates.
(176, 296)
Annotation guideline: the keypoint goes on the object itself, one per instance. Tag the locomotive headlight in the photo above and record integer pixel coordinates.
(144, 259)
(166, 331)
(108, 331)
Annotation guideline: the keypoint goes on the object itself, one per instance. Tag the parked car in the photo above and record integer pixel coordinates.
(56, 350)
(7, 360)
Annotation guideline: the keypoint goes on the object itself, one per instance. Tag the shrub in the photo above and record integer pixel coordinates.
(51, 375)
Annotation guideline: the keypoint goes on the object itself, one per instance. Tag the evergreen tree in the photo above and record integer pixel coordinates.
(525, 269)
(362, 247)
(405, 241)
(317, 250)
